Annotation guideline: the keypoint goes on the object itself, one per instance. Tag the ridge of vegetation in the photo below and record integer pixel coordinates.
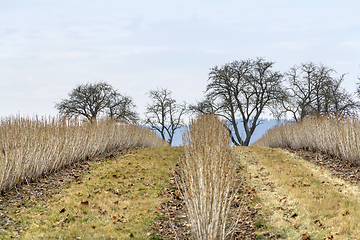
(207, 176)
(33, 147)
(329, 134)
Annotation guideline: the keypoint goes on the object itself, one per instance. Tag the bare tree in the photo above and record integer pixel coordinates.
(299, 97)
(122, 108)
(90, 100)
(312, 90)
(164, 114)
(242, 89)
(338, 100)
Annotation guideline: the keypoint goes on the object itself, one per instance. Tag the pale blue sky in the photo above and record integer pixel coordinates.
(48, 46)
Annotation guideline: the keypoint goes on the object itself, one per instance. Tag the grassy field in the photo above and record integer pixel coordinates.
(299, 199)
(118, 199)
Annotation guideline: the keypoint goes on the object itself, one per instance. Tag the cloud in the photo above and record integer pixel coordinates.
(8, 31)
(292, 45)
(49, 46)
(354, 44)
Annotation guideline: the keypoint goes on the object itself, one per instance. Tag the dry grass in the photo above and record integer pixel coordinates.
(207, 177)
(331, 135)
(300, 199)
(33, 147)
(116, 199)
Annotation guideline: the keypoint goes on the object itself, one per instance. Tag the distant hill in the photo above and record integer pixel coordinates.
(259, 131)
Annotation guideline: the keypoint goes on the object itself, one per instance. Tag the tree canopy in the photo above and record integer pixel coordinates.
(164, 115)
(242, 89)
(312, 89)
(90, 100)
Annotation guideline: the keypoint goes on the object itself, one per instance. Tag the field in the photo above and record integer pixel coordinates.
(132, 194)
(299, 199)
(122, 196)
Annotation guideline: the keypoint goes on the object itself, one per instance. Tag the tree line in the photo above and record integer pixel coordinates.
(237, 90)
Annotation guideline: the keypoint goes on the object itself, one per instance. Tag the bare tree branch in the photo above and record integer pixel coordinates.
(242, 89)
(90, 100)
(312, 90)
(164, 114)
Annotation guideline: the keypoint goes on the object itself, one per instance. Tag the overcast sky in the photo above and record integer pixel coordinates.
(49, 46)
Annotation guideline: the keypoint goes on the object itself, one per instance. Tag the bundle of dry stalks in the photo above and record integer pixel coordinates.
(30, 148)
(207, 177)
(330, 134)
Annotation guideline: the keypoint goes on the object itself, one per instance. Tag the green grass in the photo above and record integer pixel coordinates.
(123, 193)
(298, 197)
(116, 199)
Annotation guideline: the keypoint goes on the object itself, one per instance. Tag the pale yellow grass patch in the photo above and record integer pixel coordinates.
(299, 197)
(116, 199)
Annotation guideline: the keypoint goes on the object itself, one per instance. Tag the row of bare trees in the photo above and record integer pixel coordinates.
(245, 89)
(240, 90)
(90, 101)
(313, 90)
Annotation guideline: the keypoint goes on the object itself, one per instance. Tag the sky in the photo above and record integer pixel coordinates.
(47, 47)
